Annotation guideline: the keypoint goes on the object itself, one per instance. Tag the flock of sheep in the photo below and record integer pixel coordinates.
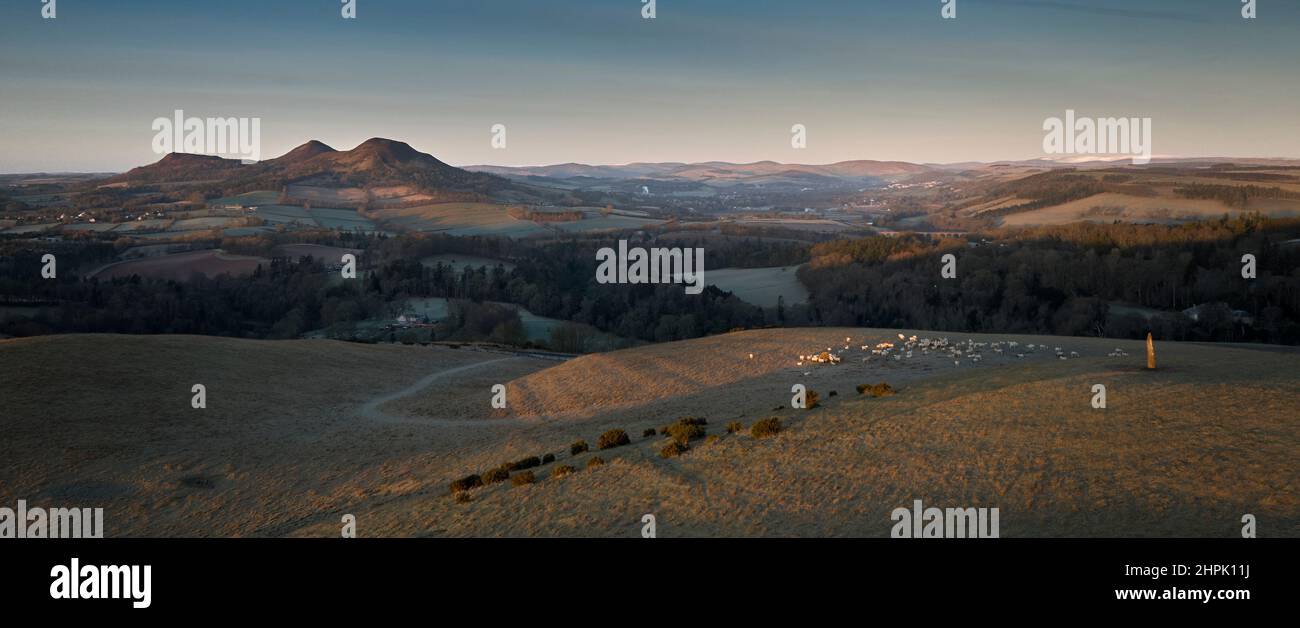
(906, 347)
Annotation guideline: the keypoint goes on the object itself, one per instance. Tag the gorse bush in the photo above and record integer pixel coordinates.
(578, 447)
(548, 458)
(498, 474)
(673, 449)
(466, 483)
(685, 420)
(526, 463)
(649, 431)
(766, 427)
(612, 438)
(875, 390)
(684, 431)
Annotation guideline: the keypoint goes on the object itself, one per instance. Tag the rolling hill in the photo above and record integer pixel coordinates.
(298, 433)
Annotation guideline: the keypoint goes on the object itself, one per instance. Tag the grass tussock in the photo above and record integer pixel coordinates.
(595, 461)
(735, 427)
(520, 479)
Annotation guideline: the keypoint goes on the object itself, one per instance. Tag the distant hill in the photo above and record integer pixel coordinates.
(720, 172)
(375, 162)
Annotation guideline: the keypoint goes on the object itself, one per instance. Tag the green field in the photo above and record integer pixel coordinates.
(346, 219)
(760, 286)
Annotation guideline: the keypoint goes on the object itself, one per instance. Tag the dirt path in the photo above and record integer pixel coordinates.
(370, 409)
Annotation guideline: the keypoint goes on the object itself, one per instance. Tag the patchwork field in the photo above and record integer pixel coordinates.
(298, 433)
(456, 219)
(613, 222)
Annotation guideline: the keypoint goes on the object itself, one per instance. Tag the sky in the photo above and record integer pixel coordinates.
(591, 81)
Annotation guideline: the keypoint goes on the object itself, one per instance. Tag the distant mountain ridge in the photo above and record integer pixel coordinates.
(719, 172)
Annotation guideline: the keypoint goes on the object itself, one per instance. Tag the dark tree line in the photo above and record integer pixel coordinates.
(1067, 280)
(1083, 279)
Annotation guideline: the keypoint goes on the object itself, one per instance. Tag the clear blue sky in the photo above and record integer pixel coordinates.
(590, 81)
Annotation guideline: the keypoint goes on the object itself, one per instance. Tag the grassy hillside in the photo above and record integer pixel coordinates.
(297, 433)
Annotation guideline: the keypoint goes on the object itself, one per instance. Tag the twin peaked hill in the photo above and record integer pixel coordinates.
(376, 161)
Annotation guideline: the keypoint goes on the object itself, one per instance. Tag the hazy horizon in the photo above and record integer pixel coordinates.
(598, 85)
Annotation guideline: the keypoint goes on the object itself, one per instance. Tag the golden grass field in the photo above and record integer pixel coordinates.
(298, 433)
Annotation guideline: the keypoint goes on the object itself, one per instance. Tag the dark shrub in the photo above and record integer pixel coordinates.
(650, 431)
(463, 498)
(831, 394)
(876, 390)
(562, 471)
(595, 461)
(735, 427)
(673, 449)
(577, 447)
(548, 458)
(766, 427)
(612, 439)
(466, 483)
(684, 432)
(498, 474)
(520, 479)
(526, 463)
